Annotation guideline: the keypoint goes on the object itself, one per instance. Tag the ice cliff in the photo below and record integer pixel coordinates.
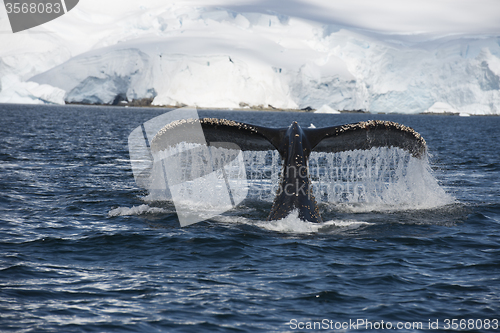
(221, 55)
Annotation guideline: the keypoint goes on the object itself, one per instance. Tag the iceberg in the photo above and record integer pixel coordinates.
(13, 90)
(326, 109)
(441, 107)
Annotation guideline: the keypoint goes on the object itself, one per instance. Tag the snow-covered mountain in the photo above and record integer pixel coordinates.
(285, 54)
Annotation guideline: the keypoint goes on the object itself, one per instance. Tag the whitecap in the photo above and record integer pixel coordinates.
(293, 224)
(135, 210)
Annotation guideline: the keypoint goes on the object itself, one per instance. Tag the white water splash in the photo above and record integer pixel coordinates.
(379, 179)
(294, 225)
(136, 210)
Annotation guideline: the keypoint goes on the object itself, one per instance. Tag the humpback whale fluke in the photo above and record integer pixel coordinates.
(294, 145)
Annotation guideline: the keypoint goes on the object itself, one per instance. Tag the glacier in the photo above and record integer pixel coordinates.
(241, 54)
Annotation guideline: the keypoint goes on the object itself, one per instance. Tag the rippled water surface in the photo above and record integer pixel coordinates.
(83, 250)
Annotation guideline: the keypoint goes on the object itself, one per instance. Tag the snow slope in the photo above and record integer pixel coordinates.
(392, 56)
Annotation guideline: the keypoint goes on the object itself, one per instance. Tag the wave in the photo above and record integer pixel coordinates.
(136, 210)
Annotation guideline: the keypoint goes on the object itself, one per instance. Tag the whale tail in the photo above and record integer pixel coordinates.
(295, 145)
(358, 136)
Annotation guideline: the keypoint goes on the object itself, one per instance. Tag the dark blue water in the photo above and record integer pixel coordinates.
(66, 265)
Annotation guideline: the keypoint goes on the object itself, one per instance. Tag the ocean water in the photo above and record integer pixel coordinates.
(83, 249)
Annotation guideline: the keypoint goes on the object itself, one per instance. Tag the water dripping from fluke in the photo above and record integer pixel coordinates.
(355, 168)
